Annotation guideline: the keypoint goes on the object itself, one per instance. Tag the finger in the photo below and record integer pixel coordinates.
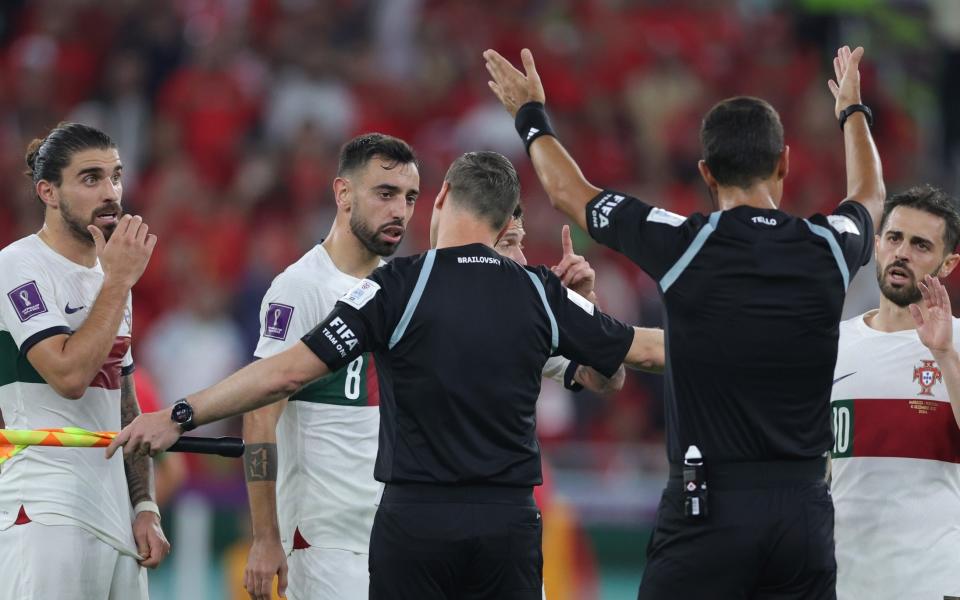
(141, 235)
(944, 296)
(916, 314)
(528, 65)
(98, 239)
(579, 273)
(497, 92)
(925, 293)
(247, 582)
(123, 225)
(151, 243)
(263, 587)
(282, 580)
(134, 226)
(854, 60)
(565, 240)
(834, 88)
(118, 442)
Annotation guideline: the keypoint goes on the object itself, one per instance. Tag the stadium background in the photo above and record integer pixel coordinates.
(229, 115)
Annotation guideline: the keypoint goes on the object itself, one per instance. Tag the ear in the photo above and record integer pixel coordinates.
(876, 244)
(47, 194)
(707, 176)
(783, 165)
(341, 193)
(442, 196)
(949, 264)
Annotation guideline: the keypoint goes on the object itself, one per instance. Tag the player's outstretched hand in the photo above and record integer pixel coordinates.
(125, 255)
(573, 270)
(513, 88)
(846, 86)
(152, 544)
(150, 433)
(266, 560)
(933, 316)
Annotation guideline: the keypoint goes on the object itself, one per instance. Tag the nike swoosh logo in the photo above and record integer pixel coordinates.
(842, 377)
(70, 310)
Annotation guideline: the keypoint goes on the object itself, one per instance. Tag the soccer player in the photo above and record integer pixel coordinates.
(460, 337)
(753, 298)
(312, 491)
(73, 525)
(896, 414)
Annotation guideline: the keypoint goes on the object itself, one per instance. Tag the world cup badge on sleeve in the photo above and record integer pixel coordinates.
(277, 321)
(27, 301)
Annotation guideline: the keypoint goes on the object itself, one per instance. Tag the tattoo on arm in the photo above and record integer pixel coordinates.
(139, 468)
(260, 462)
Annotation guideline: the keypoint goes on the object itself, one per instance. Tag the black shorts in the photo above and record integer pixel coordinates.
(771, 540)
(464, 543)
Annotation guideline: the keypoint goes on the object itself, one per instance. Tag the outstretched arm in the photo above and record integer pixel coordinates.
(258, 384)
(864, 171)
(523, 96)
(934, 321)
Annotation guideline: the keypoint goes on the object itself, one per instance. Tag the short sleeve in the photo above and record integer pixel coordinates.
(29, 309)
(851, 226)
(288, 311)
(586, 335)
(651, 237)
(361, 321)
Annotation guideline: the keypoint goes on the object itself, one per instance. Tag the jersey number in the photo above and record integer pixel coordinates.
(351, 388)
(842, 428)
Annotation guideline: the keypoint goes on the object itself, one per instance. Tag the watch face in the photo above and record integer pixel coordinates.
(181, 412)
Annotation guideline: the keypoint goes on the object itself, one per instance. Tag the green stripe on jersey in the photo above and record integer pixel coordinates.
(346, 387)
(13, 366)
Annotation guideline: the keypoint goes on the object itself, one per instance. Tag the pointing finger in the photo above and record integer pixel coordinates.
(565, 240)
(118, 442)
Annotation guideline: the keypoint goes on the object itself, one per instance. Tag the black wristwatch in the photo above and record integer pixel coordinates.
(182, 415)
(845, 113)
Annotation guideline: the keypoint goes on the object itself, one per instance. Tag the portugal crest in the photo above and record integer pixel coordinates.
(926, 375)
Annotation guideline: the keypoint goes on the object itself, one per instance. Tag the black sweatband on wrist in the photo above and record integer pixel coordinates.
(532, 122)
(854, 108)
(570, 377)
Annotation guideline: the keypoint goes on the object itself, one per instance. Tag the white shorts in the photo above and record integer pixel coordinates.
(66, 563)
(327, 574)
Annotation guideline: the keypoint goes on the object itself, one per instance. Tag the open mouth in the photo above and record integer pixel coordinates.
(106, 218)
(899, 276)
(392, 234)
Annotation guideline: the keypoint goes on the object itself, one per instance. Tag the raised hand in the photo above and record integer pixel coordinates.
(513, 88)
(574, 270)
(266, 559)
(125, 256)
(846, 86)
(933, 317)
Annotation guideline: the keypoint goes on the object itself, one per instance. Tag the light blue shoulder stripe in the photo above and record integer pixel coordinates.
(835, 247)
(680, 266)
(414, 298)
(554, 331)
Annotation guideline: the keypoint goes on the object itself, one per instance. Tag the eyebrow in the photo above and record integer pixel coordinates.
(97, 170)
(913, 238)
(387, 187)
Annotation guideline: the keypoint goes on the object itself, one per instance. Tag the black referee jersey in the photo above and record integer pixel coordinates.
(460, 336)
(753, 300)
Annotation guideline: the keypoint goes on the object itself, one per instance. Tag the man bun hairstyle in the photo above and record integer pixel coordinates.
(934, 201)
(486, 184)
(47, 157)
(742, 141)
(356, 153)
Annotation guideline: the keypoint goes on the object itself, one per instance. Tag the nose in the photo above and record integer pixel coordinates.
(111, 190)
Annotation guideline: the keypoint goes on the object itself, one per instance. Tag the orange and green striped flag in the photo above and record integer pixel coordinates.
(13, 441)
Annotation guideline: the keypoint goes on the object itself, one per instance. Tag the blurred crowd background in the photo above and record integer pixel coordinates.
(229, 115)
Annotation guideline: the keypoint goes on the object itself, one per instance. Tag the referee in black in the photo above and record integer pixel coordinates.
(753, 298)
(460, 336)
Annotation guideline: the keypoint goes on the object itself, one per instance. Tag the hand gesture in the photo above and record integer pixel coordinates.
(846, 87)
(266, 559)
(125, 256)
(513, 88)
(150, 433)
(152, 544)
(574, 270)
(933, 317)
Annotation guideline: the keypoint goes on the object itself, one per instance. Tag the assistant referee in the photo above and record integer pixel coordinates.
(460, 336)
(753, 298)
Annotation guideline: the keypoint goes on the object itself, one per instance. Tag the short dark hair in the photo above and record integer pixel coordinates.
(486, 184)
(518, 211)
(47, 157)
(356, 153)
(742, 140)
(934, 201)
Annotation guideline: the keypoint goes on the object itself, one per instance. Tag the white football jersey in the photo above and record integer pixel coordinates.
(46, 294)
(327, 435)
(896, 477)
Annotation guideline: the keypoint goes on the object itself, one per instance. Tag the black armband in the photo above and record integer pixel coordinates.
(570, 377)
(532, 122)
(853, 108)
